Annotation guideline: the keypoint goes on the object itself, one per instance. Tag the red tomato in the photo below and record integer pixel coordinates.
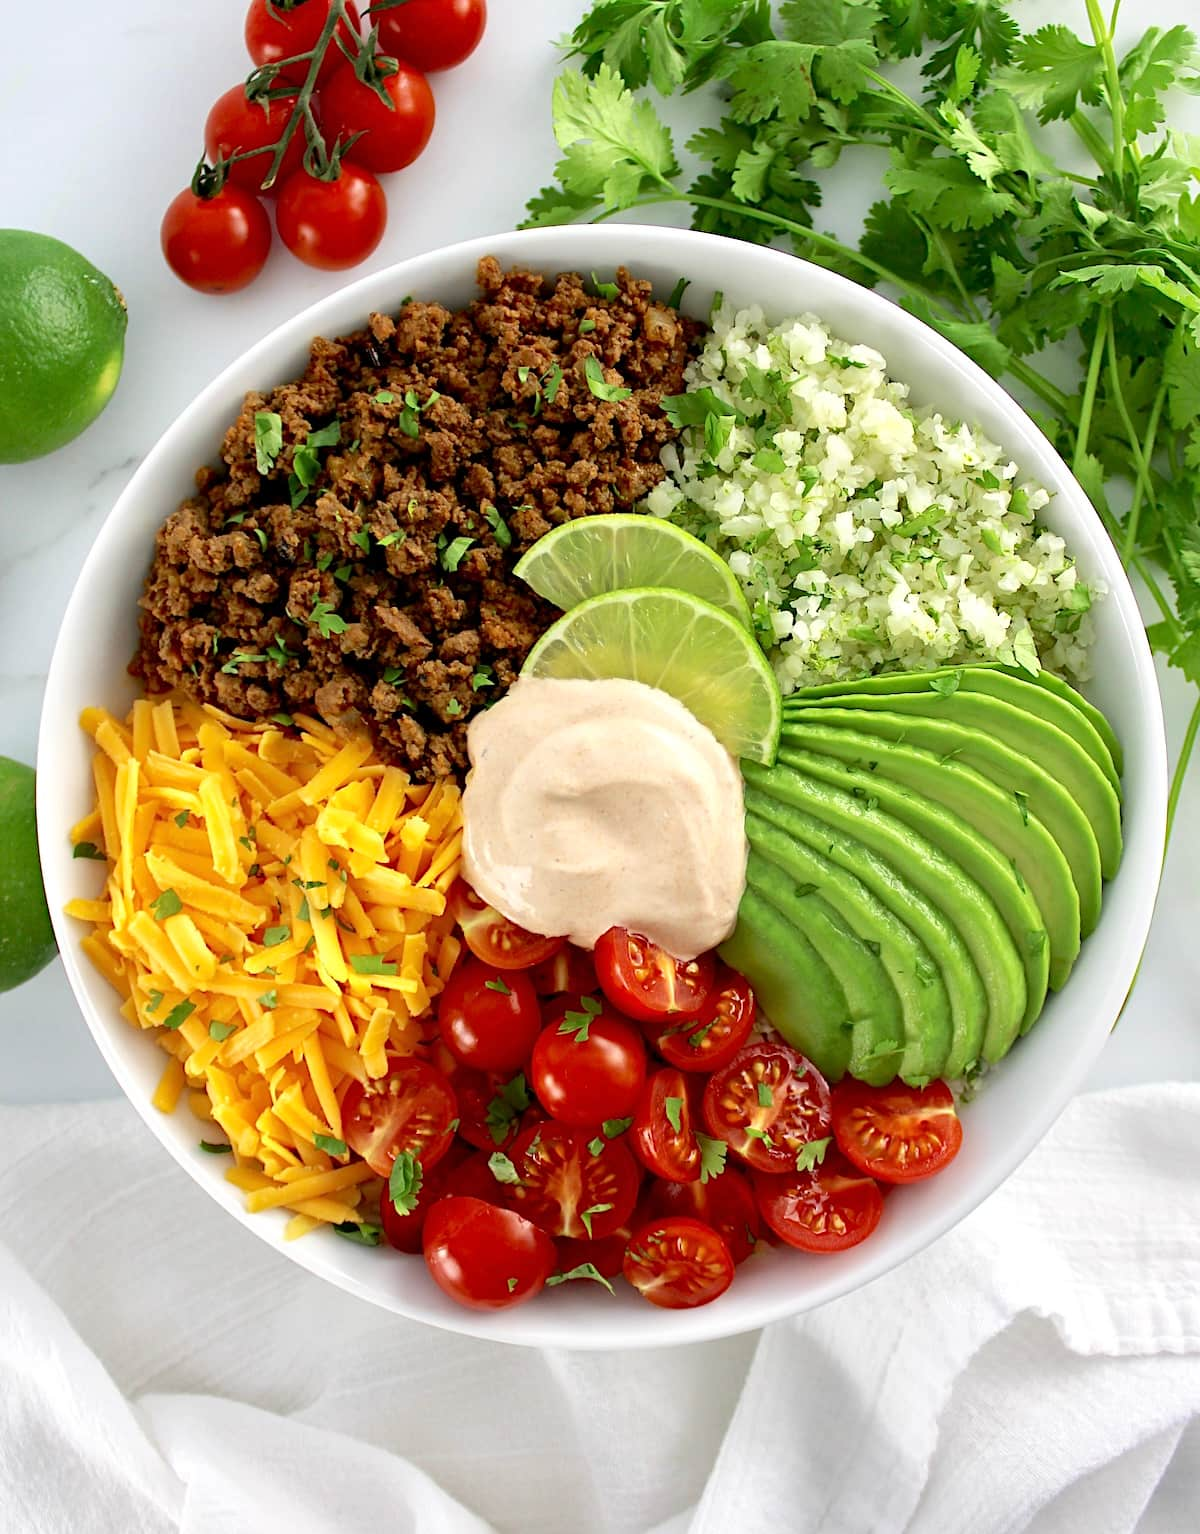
(392, 137)
(663, 1135)
(897, 1133)
(403, 1231)
(593, 1071)
(412, 1109)
(235, 125)
(280, 29)
(433, 34)
(331, 224)
(708, 1042)
(474, 1178)
(644, 981)
(490, 1107)
(569, 1189)
(767, 1104)
(831, 1208)
(725, 1202)
(678, 1263)
(487, 1018)
(216, 244)
(492, 937)
(485, 1257)
(570, 969)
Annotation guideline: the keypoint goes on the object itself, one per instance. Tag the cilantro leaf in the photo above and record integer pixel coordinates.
(89, 850)
(1053, 70)
(506, 1107)
(712, 1157)
(812, 1153)
(331, 1145)
(594, 373)
(268, 439)
(404, 1181)
(166, 904)
(502, 1168)
(673, 1108)
(583, 1270)
(364, 1232)
(586, 1215)
(371, 964)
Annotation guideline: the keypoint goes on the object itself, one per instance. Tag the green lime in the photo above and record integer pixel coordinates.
(26, 937)
(675, 641)
(62, 339)
(590, 555)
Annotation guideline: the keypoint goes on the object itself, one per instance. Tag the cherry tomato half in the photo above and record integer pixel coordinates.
(331, 224)
(276, 31)
(678, 1263)
(485, 1257)
(897, 1133)
(392, 137)
(570, 969)
(663, 1134)
(492, 937)
(433, 34)
(216, 244)
(489, 1018)
(767, 1104)
(412, 1109)
(725, 1202)
(588, 1064)
(644, 981)
(569, 1188)
(709, 1041)
(831, 1208)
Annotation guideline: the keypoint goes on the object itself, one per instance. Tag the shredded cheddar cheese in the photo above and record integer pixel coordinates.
(275, 913)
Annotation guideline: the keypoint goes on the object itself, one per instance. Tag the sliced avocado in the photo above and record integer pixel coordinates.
(1036, 858)
(871, 912)
(1048, 682)
(942, 882)
(1020, 692)
(793, 983)
(1041, 796)
(1026, 734)
(979, 858)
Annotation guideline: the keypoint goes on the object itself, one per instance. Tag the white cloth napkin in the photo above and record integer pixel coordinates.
(1038, 1369)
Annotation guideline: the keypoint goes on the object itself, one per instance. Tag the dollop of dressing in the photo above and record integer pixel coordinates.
(606, 803)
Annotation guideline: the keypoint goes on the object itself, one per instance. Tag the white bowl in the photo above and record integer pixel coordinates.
(1023, 1097)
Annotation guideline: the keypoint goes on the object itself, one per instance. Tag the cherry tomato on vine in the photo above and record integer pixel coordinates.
(280, 29)
(485, 1257)
(591, 1072)
(644, 981)
(492, 937)
(216, 244)
(489, 1018)
(392, 137)
(678, 1263)
(828, 1209)
(767, 1104)
(896, 1133)
(432, 34)
(412, 1108)
(331, 224)
(710, 1041)
(570, 1185)
(725, 1202)
(235, 125)
(663, 1134)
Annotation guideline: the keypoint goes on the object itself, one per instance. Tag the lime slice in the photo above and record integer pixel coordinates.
(675, 641)
(591, 555)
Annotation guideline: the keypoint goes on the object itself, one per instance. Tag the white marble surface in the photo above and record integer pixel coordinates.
(94, 160)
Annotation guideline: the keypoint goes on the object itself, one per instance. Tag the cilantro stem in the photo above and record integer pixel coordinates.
(1181, 766)
(1099, 341)
(1047, 392)
(1118, 397)
(1148, 445)
(948, 265)
(1088, 134)
(1112, 75)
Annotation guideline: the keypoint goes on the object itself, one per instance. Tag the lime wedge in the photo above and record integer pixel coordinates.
(679, 643)
(591, 555)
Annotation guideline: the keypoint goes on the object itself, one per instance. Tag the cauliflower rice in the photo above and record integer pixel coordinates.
(866, 534)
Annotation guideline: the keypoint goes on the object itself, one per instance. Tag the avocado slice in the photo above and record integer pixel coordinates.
(1026, 734)
(1048, 682)
(932, 977)
(1036, 858)
(942, 882)
(958, 840)
(795, 986)
(1042, 796)
(1020, 693)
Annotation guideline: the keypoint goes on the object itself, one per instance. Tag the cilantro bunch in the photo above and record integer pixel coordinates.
(1079, 281)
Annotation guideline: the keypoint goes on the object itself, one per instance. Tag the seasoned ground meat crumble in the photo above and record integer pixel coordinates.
(385, 596)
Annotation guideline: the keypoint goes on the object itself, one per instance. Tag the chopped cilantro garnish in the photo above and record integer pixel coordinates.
(389, 538)
(481, 678)
(273, 936)
(765, 1098)
(512, 1284)
(384, 397)
(166, 904)
(179, 1015)
(673, 1108)
(221, 1031)
(946, 686)
(154, 1001)
(88, 850)
(454, 707)
(371, 964)
(182, 818)
(498, 525)
(586, 1215)
(607, 290)
(238, 659)
(452, 554)
(268, 439)
(614, 1127)
(499, 985)
(216, 1147)
(327, 621)
(362, 1231)
(502, 1168)
(506, 1107)
(594, 373)
(583, 1270)
(551, 383)
(812, 1154)
(712, 1157)
(269, 1000)
(676, 296)
(1022, 805)
(404, 1182)
(330, 1144)
(578, 1023)
(586, 327)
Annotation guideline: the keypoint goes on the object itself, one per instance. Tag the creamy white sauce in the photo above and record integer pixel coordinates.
(598, 804)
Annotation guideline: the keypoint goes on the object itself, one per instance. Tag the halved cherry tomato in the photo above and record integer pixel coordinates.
(678, 1263)
(485, 1257)
(491, 1106)
(403, 1231)
(644, 981)
(588, 1064)
(663, 1134)
(412, 1109)
(709, 1041)
(276, 32)
(725, 1202)
(767, 1104)
(569, 1189)
(492, 937)
(236, 125)
(831, 1208)
(392, 135)
(570, 969)
(897, 1133)
(489, 1019)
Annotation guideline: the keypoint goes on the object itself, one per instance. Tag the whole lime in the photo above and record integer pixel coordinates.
(62, 340)
(26, 936)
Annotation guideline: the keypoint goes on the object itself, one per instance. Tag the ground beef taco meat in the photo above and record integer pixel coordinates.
(353, 553)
